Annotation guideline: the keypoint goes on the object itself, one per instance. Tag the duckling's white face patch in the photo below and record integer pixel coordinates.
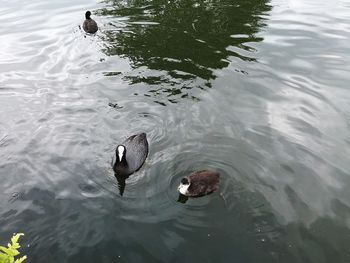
(183, 188)
(121, 151)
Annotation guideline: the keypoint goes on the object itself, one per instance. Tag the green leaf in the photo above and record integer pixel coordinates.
(20, 260)
(1, 248)
(3, 257)
(9, 251)
(15, 238)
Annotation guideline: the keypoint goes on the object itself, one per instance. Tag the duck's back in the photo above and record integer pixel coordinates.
(136, 151)
(203, 182)
(90, 26)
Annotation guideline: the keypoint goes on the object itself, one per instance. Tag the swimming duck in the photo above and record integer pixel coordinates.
(89, 25)
(199, 183)
(131, 154)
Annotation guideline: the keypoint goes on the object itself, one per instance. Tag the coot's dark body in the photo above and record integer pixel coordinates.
(136, 151)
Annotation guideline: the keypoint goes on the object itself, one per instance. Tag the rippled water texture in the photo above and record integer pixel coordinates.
(257, 90)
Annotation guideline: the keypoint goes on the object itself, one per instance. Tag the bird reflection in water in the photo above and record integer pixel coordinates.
(121, 178)
(182, 198)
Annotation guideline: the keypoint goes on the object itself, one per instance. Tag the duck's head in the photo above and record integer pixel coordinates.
(120, 152)
(183, 187)
(87, 14)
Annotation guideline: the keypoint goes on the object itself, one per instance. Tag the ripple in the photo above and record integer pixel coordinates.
(257, 91)
(3, 131)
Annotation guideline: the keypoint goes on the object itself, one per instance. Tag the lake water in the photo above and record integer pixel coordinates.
(256, 89)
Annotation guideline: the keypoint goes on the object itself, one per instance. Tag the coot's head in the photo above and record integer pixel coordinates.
(87, 14)
(120, 152)
(183, 187)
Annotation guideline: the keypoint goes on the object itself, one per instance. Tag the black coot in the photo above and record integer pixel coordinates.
(130, 156)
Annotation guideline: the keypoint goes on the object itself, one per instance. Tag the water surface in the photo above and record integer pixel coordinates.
(257, 90)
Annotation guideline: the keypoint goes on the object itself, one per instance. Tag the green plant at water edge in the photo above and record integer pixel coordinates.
(8, 254)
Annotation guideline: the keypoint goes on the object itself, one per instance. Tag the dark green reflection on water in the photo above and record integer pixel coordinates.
(176, 46)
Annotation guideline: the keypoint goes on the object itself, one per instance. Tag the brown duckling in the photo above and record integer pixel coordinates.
(199, 183)
(89, 25)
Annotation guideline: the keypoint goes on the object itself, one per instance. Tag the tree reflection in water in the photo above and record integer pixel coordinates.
(175, 46)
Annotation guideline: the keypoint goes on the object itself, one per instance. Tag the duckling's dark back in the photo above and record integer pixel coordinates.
(203, 182)
(89, 25)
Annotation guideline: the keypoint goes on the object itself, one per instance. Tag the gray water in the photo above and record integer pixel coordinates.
(257, 90)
